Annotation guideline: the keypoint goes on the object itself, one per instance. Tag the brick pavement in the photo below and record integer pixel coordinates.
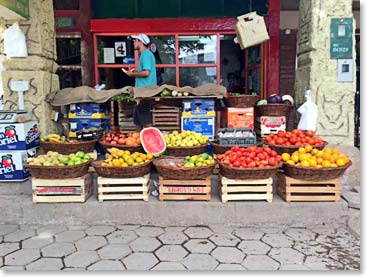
(135, 247)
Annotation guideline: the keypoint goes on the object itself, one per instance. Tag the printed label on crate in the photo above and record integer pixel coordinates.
(58, 190)
(203, 107)
(272, 122)
(202, 125)
(19, 136)
(87, 110)
(239, 117)
(13, 165)
(185, 190)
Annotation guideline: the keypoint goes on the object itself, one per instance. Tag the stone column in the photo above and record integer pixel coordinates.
(316, 71)
(39, 67)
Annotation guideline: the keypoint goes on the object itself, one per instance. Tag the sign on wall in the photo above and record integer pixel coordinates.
(14, 9)
(341, 38)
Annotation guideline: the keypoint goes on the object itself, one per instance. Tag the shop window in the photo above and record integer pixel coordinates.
(198, 49)
(253, 70)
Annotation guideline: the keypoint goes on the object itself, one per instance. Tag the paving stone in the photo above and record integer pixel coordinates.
(46, 264)
(121, 236)
(286, 255)
(81, 259)
(29, 226)
(19, 235)
(1, 261)
(277, 240)
(78, 227)
(347, 256)
(50, 230)
(300, 234)
(357, 189)
(102, 230)
(221, 229)
(107, 265)
(169, 266)
(114, 251)
(353, 199)
(12, 267)
(173, 238)
(260, 262)
(70, 236)
(171, 253)
(322, 263)
(253, 247)
(58, 249)
(22, 257)
(198, 246)
(145, 244)
(200, 262)
(311, 249)
(249, 233)
(1, 239)
(293, 267)
(228, 255)
(149, 231)
(272, 230)
(91, 243)
(230, 267)
(8, 247)
(74, 269)
(324, 230)
(354, 222)
(174, 229)
(224, 239)
(140, 261)
(7, 228)
(198, 232)
(128, 227)
(37, 242)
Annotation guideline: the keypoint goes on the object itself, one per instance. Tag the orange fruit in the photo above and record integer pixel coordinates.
(326, 156)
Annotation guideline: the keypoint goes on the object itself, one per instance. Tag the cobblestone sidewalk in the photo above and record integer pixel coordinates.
(135, 247)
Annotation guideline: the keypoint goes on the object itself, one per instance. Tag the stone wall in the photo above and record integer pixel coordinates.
(39, 67)
(316, 71)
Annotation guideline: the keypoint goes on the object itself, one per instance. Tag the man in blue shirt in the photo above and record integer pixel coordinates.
(144, 76)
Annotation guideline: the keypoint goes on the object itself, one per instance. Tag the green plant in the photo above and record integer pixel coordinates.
(123, 97)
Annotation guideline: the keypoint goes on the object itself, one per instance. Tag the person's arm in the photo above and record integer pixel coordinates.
(132, 73)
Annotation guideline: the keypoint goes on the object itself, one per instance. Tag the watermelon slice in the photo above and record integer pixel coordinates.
(153, 141)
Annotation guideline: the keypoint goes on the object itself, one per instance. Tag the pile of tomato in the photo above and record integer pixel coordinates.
(249, 157)
(296, 137)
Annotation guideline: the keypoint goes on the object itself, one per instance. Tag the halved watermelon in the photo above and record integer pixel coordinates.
(153, 141)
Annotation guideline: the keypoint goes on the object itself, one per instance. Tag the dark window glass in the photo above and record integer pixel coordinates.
(66, 4)
(68, 51)
(69, 78)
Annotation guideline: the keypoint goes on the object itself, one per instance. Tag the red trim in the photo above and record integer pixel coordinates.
(163, 25)
(272, 64)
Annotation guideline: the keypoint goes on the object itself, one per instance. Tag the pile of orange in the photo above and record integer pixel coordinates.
(311, 157)
(123, 158)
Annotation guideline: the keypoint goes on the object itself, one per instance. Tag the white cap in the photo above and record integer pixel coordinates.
(143, 38)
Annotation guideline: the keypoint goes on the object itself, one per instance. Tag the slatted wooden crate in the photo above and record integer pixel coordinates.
(166, 118)
(67, 190)
(236, 189)
(123, 188)
(199, 189)
(291, 189)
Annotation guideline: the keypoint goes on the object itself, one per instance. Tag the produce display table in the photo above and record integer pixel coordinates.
(291, 189)
(58, 190)
(198, 189)
(236, 189)
(123, 188)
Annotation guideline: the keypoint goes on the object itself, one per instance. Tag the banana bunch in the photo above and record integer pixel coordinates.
(55, 138)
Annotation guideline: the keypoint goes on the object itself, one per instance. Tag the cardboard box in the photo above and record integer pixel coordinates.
(198, 107)
(199, 124)
(88, 110)
(265, 125)
(238, 118)
(19, 136)
(13, 165)
(78, 124)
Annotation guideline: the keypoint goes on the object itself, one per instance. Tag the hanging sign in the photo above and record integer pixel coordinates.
(341, 38)
(14, 9)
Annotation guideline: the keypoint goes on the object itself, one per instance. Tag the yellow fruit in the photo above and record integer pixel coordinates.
(320, 153)
(291, 162)
(305, 163)
(314, 151)
(333, 165)
(326, 156)
(312, 162)
(340, 162)
(326, 163)
(149, 156)
(308, 148)
(328, 150)
(295, 158)
(301, 150)
(286, 157)
(319, 160)
(336, 151)
(303, 157)
(116, 162)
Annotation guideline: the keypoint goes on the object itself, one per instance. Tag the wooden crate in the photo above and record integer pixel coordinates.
(184, 189)
(123, 188)
(166, 118)
(292, 190)
(66, 190)
(236, 189)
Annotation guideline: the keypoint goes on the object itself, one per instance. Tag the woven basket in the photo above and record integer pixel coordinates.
(280, 149)
(183, 173)
(221, 149)
(68, 148)
(243, 101)
(132, 149)
(121, 172)
(185, 151)
(59, 172)
(314, 173)
(247, 173)
(272, 110)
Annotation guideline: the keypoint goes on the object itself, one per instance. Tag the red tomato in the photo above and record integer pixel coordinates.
(281, 134)
(272, 161)
(293, 139)
(310, 133)
(279, 141)
(261, 156)
(237, 163)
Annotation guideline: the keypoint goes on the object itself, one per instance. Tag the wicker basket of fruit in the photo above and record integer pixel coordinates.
(121, 171)
(314, 173)
(272, 110)
(121, 141)
(247, 173)
(184, 168)
(237, 100)
(62, 145)
(185, 151)
(54, 165)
